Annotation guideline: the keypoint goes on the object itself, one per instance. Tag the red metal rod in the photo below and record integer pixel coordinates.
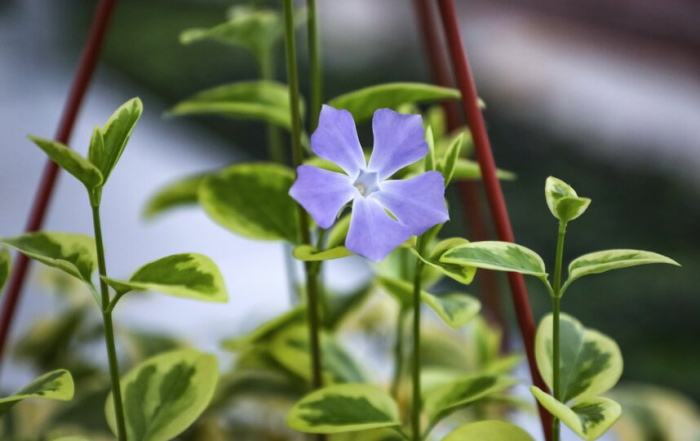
(494, 194)
(468, 190)
(86, 69)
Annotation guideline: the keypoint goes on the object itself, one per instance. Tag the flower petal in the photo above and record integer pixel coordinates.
(373, 233)
(398, 142)
(322, 193)
(418, 203)
(336, 140)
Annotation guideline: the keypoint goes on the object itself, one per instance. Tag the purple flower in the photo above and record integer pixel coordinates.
(385, 213)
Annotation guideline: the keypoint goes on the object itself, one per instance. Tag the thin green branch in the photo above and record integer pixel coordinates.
(416, 405)
(316, 75)
(109, 327)
(556, 299)
(312, 298)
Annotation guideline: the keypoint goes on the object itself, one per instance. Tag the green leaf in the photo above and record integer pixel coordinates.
(563, 201)
(339, 232)
(266, 101)
(75, 254)
(363, 102)
(445, 399)
(449, 161)
(603, 261)
(188, 275)
(590, 362)
(175, 194)
(589, 418)
(461, 273)
(455, 309)
(253, 200)
(430, 157)
(466, 169)
(308, 253)
(498, 256)
(268, 330)
(254, 30)
(116, 133)
(344, 408)
(165, 394)
(5, 267)
(71, 161)
(96, 153)
(291, 349)
(55, 385)
(489, 431)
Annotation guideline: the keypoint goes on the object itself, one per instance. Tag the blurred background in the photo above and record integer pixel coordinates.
(604, 95)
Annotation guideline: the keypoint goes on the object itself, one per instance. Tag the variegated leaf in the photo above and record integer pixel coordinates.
(455, 309)
(589, 418)
(55, 385)
(247, 100)
(176, 194)
(363, 102)
(188, 275)
(498, 256)
(563, 201)
(291, 349)
(253, 200)
(460, 393)
(449, 161)
(116, 133)
(165, 394)
(603, 261)
(74, 254)
(489, 431)
(71, 161)
(344, 408)
(590, 362)
(5, 267)
(308, 253)
(461, 273)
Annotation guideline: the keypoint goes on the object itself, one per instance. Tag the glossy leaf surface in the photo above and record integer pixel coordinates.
(55, 385)
(246, 100)
(591, 363)
(165, 394)
(499, 256)
(489, 431)
(363, 102)
(188, 275)
(71, 161)
(443, 400)
(603, 261)
(344, 408)
(253, 200)
(589, 418)
(174, 195)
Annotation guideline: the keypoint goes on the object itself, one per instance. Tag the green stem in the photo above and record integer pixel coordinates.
(556, 299)
(416, 408)
(312, 292)
(398, 353)
(109, 327)
(274, 136)
(314, 65)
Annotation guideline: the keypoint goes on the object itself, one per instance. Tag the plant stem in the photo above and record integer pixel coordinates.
(109, 327)
(556, 299)
(312, 297)
(314, 65)
(416, 408)
(398, 353)
(274, 136)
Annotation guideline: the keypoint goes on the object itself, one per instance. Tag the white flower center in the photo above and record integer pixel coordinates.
(367, 182)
